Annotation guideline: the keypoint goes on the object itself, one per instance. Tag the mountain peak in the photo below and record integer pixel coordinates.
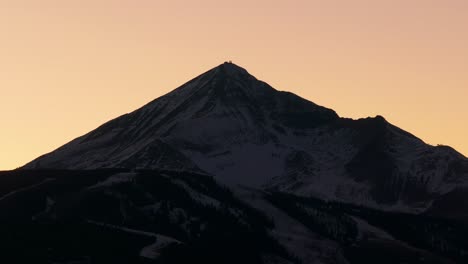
(231, 70)
(219, 109)
(231, 66)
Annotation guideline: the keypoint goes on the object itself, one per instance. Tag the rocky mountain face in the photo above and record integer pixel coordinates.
(228, 124)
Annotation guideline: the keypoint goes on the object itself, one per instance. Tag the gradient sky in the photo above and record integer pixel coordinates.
(68, 66)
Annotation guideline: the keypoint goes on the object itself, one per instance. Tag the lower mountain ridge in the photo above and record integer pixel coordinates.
(226, 169)
(161, 216)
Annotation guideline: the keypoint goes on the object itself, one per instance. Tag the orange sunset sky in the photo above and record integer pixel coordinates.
(68, 66)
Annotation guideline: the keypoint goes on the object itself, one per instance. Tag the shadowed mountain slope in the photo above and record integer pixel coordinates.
(228, 124)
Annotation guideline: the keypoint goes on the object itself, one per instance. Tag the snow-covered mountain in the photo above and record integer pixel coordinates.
(228, 124)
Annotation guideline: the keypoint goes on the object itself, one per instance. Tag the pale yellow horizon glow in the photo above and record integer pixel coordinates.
(68, 66)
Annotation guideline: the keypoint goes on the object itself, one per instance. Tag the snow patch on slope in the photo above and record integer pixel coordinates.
(114, 179)
(151, 251)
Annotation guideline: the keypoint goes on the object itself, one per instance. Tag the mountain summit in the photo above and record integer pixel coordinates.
(216, 111)
(228, 124)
